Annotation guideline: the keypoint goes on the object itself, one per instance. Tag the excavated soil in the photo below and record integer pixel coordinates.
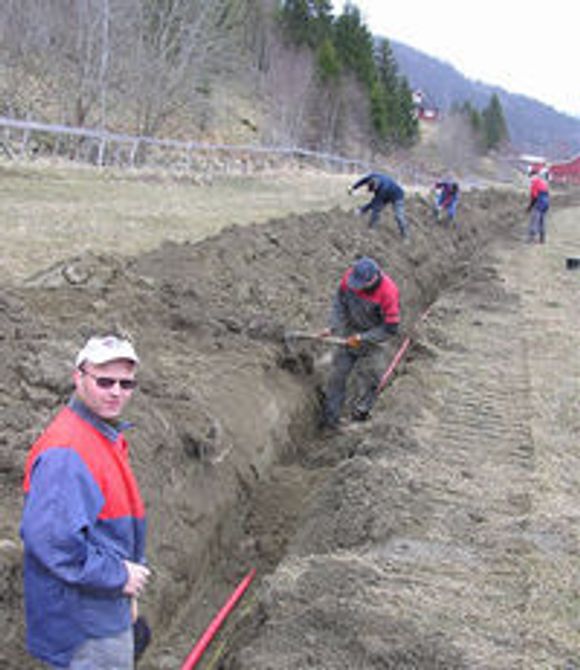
(442, 534)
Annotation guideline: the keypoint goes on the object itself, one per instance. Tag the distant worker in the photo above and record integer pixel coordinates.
(538, 206)
(385, 190)
(83, 523)
(446, 199)
(365, 311)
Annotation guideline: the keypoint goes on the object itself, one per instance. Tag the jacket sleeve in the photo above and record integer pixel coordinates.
(337, 321)
(390, 309)
(60, 512)
(380, 333)
(362, 181)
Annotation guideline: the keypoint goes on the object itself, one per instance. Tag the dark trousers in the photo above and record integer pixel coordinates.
(368, 365)
(377, 204)
(537, 225)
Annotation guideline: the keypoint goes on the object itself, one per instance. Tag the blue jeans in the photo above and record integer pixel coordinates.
(377, 204)
(106, 653)
(537, 225)
(399, 208)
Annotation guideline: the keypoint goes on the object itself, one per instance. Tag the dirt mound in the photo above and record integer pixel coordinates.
(223, 405)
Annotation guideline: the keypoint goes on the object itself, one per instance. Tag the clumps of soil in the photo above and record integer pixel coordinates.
(224, 411)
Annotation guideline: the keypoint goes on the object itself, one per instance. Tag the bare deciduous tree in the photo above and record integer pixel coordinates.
(287, 83)
(457, 144)
(173, 47)
(65, 45)
(150, 56)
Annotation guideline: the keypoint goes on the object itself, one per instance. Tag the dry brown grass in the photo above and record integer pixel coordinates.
(51, 212)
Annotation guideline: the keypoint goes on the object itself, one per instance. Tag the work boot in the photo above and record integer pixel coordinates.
(327, 423)
(360, 415)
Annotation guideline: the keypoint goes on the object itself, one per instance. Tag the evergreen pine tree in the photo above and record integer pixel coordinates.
(328, 62)
(494, 125)
(354, 44)
(407, 123)
(307, 21)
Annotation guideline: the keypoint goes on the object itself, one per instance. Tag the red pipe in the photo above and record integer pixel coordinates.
(397, 358)
(393, 364)
(201, 645)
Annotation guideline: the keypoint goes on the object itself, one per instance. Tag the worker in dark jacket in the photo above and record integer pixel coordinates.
(365, 311)
(385, 190)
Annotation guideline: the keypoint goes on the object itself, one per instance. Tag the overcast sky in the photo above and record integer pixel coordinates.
(524, 47)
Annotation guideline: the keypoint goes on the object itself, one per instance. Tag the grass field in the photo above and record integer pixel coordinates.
(53, 212)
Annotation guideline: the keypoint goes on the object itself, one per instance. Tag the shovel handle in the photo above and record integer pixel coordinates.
(329, 339)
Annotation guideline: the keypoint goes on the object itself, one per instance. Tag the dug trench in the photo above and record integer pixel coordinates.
(233, 468)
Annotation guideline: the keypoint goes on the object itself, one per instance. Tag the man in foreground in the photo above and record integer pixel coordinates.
(365, 311)
(83, 522)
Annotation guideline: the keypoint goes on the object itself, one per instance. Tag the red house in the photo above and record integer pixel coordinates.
(566, 173)
(422, 109)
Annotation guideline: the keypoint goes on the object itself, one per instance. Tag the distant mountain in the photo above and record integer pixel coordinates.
(534, 127)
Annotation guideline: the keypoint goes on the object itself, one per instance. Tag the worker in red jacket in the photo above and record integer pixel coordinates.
(365, 311)
(83, 522)
(538, 206)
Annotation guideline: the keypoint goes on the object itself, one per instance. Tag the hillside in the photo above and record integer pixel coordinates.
(533, 126)
(227, 74)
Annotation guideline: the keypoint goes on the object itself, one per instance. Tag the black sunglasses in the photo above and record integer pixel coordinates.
(109, 382)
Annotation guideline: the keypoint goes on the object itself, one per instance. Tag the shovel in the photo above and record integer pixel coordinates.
(302, 359)
(294, 335)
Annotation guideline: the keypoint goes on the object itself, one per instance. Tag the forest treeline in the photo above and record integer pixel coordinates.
(287, 72)
(344, 45)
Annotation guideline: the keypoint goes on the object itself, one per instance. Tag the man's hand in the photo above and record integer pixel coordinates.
(350, 190)
(137, 576)
(354, 341)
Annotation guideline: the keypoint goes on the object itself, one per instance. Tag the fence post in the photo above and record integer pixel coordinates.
(133, 154)
(24, 140)
(102, 148)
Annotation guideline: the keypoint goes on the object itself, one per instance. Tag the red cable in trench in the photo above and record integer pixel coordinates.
(201, 645)
(397, 357)
(210, 632)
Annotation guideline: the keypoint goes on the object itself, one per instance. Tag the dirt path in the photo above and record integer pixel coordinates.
(452, 542)
(498, 452)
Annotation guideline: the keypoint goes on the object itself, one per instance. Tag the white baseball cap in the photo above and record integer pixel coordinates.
(100, 350)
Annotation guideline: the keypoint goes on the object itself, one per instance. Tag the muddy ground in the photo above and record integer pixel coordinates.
(443, 534)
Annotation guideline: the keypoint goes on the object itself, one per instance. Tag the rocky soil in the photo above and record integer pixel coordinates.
(442, 534)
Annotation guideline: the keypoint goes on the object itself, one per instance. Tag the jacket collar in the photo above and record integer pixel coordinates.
(107, 429)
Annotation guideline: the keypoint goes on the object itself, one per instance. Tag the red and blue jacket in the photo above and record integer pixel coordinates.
(539, 194)
(373, 314)
(83, 516)
(448, 193)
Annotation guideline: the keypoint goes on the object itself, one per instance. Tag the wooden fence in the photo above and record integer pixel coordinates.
(26, 138)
